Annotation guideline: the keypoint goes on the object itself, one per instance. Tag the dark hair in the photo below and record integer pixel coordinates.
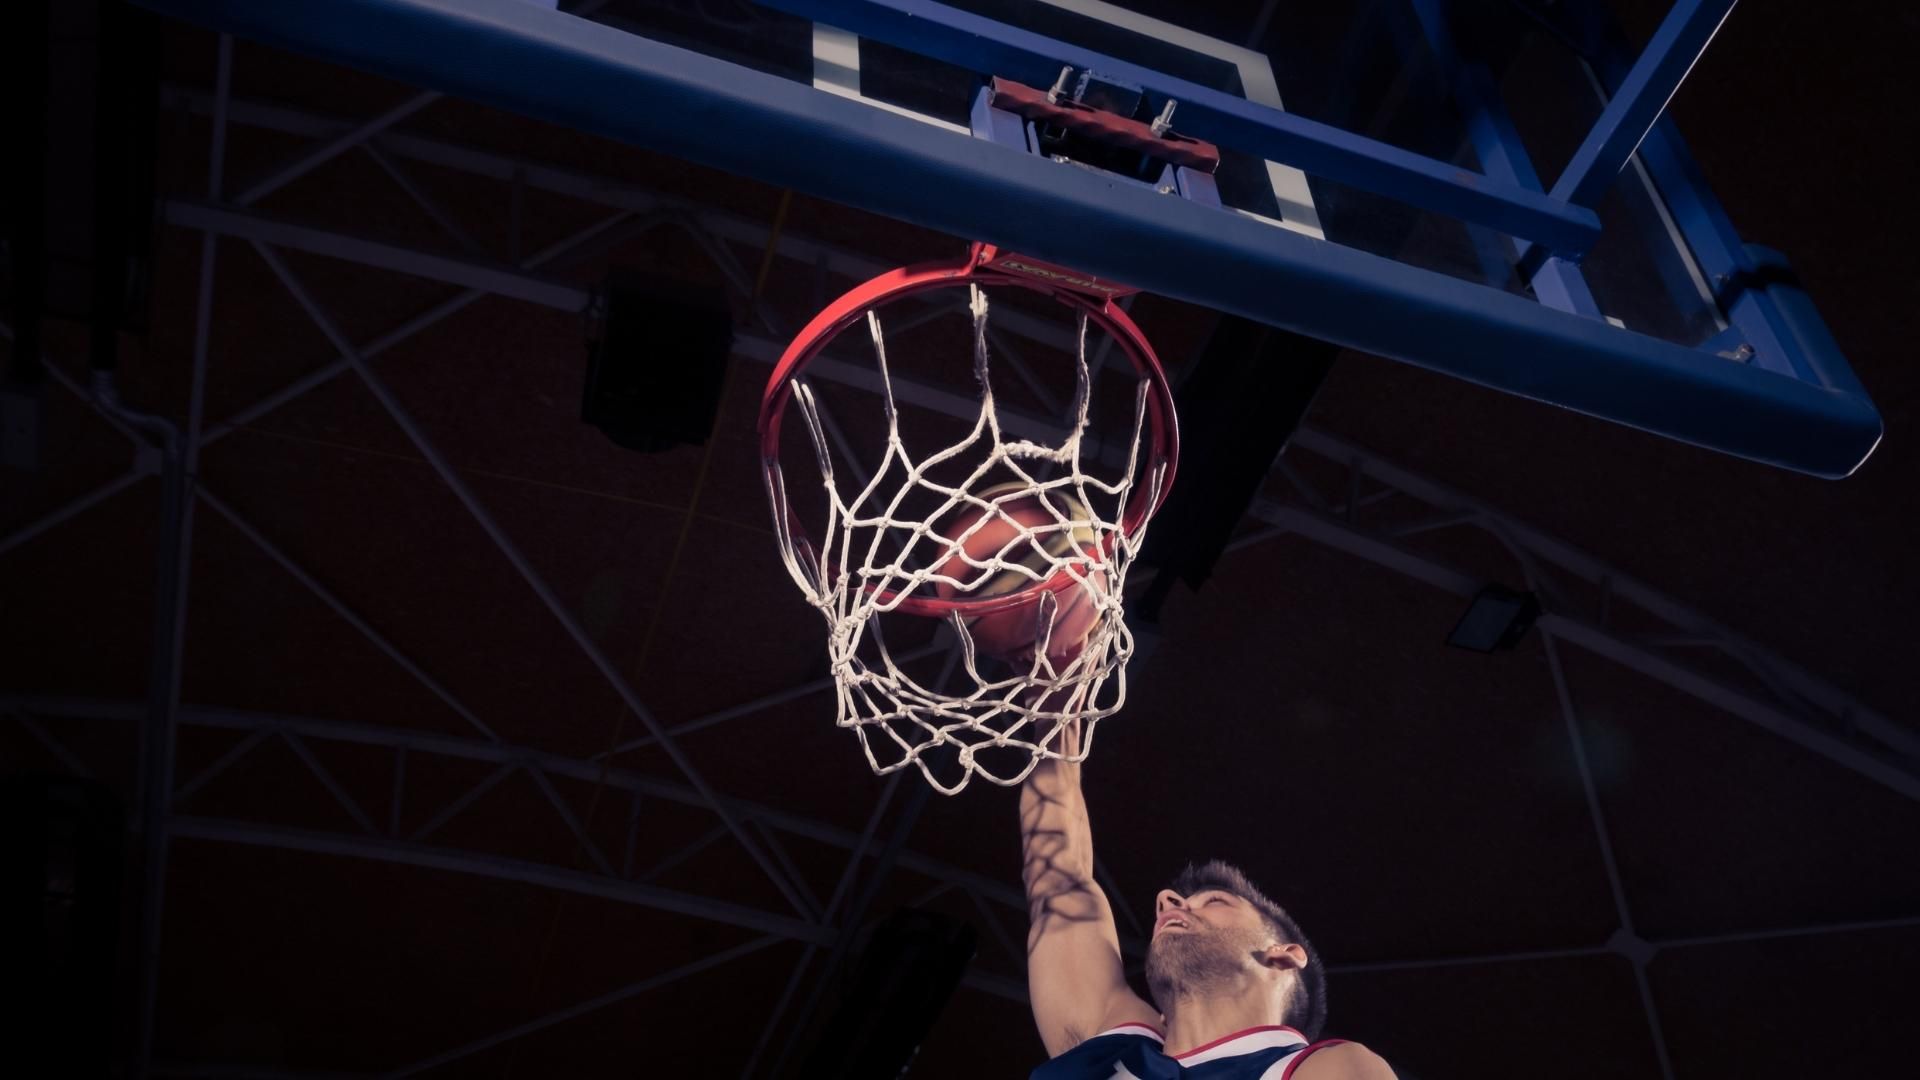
(1307, 1011)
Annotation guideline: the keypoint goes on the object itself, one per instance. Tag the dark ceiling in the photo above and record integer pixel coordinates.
(1419, 808)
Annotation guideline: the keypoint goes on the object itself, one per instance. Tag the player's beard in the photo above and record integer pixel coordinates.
(1198, 962)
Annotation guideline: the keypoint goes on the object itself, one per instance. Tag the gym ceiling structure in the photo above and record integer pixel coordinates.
(390, 720)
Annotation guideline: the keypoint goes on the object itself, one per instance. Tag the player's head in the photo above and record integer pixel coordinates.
(1233, 935)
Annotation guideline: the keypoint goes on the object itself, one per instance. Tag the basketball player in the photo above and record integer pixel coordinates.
(1240, 994)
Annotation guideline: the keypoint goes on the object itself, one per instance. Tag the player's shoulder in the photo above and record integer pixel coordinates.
(1337, 1059)
(1131, 1011)
(1130, 1048)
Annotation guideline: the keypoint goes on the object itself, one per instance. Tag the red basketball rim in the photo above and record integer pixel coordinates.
(1163, 431)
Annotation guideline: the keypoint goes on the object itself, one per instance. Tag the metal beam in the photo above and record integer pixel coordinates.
(467, 798)
(315, 157)
(1710, 238)
(560, 1016)
(613, 192)
(841, 889)
(1381, 967)
(428, 743)
(1558, 282)
(1894, 772)
(556, 254)
(463, 748)
(227, 1071)
(175, 549)
(72, 509)
(556, 607)
(219, 765)
(903, 822)
(687, 851)
(1603, 837)
(1859, 926)
(55, 747)
(322, 774)
(340, 608)
(512, 282)
(1372, 967)
(1613, 584)
(1640, 99)
(499, 868)
(755, 705)
(427, 204)
(500, 279)
(572, 822)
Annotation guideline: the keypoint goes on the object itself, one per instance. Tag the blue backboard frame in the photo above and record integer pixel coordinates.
(1773, 388)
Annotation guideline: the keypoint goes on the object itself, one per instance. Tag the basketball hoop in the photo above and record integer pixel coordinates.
(1070, 538)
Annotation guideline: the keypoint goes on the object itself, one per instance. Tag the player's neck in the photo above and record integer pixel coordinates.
(1193, 1022)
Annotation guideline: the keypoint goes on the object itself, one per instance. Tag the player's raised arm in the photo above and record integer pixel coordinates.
(1075, 977)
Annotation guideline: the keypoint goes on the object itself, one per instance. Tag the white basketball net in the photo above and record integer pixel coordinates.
(869, 559)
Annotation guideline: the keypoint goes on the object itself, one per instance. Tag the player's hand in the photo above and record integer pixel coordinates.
(1075, 621)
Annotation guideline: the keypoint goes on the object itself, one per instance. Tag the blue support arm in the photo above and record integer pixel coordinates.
(978, 44)
(1709, 233)
(602, 80)
(1556, 282)
(1640, 98)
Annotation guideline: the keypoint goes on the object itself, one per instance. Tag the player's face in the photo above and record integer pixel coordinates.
(1202, 942)
(1205, 911)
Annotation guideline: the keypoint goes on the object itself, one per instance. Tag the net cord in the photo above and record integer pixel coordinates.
(851, 579)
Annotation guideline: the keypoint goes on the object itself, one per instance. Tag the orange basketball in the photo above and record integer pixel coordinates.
(1011, 634)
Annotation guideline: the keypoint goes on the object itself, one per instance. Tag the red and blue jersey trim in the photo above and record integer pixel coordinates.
(1137, 1051)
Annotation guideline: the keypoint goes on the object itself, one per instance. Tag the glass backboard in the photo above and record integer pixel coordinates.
(1485, 189)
